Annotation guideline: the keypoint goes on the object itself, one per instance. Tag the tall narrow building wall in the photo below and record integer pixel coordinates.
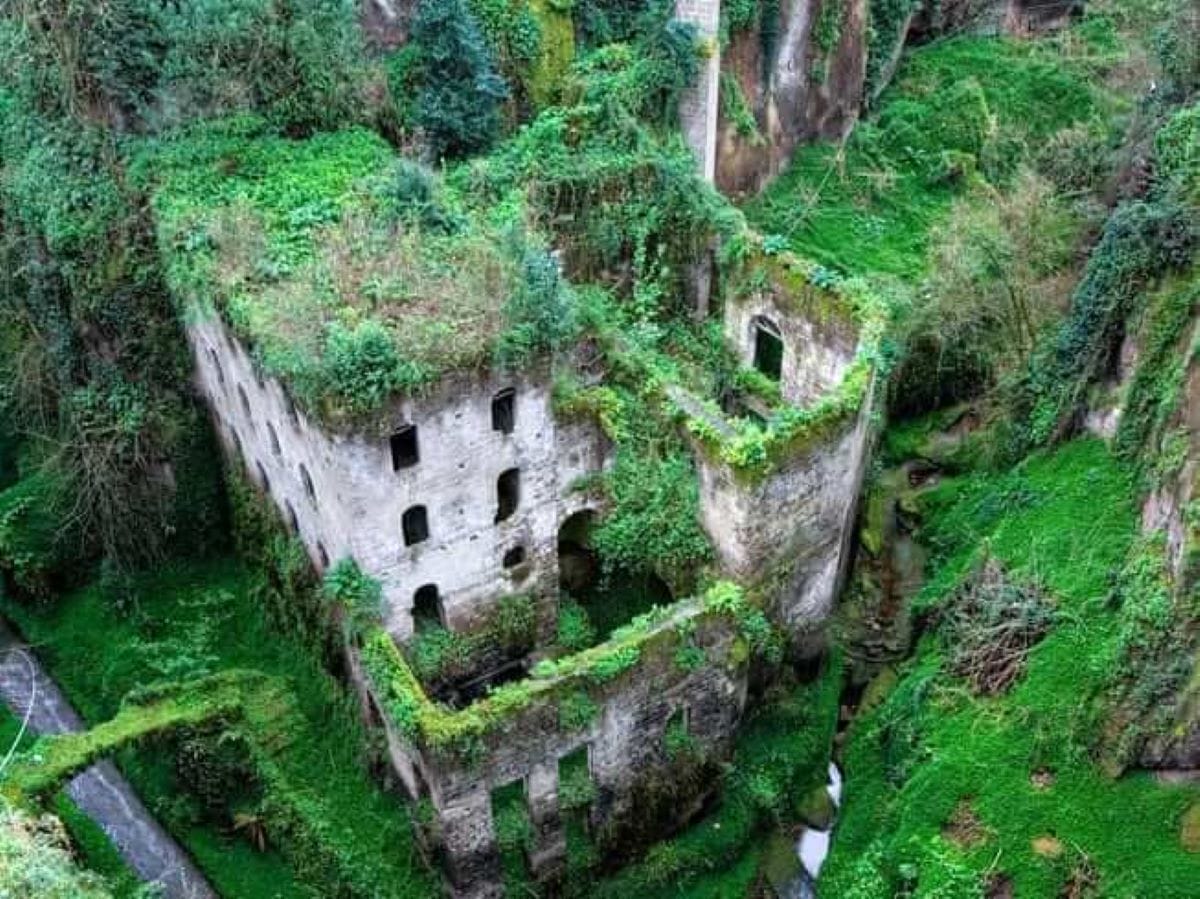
(700, 106)
(450, 506)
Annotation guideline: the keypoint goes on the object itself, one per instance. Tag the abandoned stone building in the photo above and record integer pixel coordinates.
(467, 495)
(461, 497)
(458, 504)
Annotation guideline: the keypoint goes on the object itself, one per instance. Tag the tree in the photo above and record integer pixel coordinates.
(459, 105)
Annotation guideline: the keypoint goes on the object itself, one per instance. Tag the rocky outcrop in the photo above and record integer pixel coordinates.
(800, 77)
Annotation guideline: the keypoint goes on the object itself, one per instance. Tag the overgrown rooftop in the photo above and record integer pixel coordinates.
(348, 269)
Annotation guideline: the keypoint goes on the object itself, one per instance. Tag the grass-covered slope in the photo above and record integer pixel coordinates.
(948, 791)
(328, 829)
(958, 109)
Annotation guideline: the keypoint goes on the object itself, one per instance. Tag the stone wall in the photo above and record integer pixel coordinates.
(357, 499)
(700, 105)
(792, 525)
(817, 351)
(624, 744)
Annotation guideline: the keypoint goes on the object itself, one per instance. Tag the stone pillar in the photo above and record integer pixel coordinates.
(472, 859)
(699, 108)
(548, 855)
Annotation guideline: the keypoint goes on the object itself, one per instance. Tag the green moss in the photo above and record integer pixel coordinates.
(553, 682)
(868, 207)
(1064, 520)
(335, 833)
(556, 51)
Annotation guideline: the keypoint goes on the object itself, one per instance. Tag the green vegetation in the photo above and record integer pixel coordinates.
(34, 861)
(780, 756)
(1041, 811)
(963, 109)
(650, 639)
(459, 106)
(1009, 213)
(329, 830)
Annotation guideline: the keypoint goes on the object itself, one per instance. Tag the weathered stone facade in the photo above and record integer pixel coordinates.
(344, 497)
(700, 105)
(793, 523)
(624, 743)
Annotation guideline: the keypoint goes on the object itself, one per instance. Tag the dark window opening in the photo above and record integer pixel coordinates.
(510, 816)
(504, 411)
(291, 408)
(768, 349)
(415, 524)
(245, 401)
(677, 737)
(427, 609)
(274, 438)
(323, 555)
(262, 477)
(306, 479)
(514, 557)
(237, 440)
(508, 494)
(405, 451)
(293, 521)
(216, 361)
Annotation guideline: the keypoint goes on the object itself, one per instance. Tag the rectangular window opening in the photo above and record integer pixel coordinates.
(768, 350)
(405, 450)
(504, 411)
(576, 788)
(508, 494)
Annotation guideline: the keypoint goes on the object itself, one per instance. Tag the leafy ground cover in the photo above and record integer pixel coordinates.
(959, 109)
(195, 619)
(948, 791)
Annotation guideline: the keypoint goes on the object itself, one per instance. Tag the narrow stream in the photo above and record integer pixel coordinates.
(812, 848)
(100, 792)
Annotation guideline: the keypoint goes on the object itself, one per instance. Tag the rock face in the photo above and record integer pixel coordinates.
(801, 76)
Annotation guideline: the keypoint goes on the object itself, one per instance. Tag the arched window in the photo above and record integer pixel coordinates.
(274, 438)
(292, 520)
(307, 480)
(514, 557)
(262, 477)
(245, 403)
(508, 494)
(322, 555)
(427, 609)
(504, 411)
(415, 524)
(768, 348)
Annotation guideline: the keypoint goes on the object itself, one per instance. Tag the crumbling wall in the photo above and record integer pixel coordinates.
(357, 499)
(791, 526)
(625, 743)
(818, 350)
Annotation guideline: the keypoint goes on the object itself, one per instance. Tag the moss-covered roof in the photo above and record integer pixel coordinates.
(346, 268)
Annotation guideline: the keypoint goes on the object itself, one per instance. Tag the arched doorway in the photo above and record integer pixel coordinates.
(578, 565)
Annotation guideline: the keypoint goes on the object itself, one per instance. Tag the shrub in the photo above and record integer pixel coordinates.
(360, 596)
(459, 105)
(575, 629)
